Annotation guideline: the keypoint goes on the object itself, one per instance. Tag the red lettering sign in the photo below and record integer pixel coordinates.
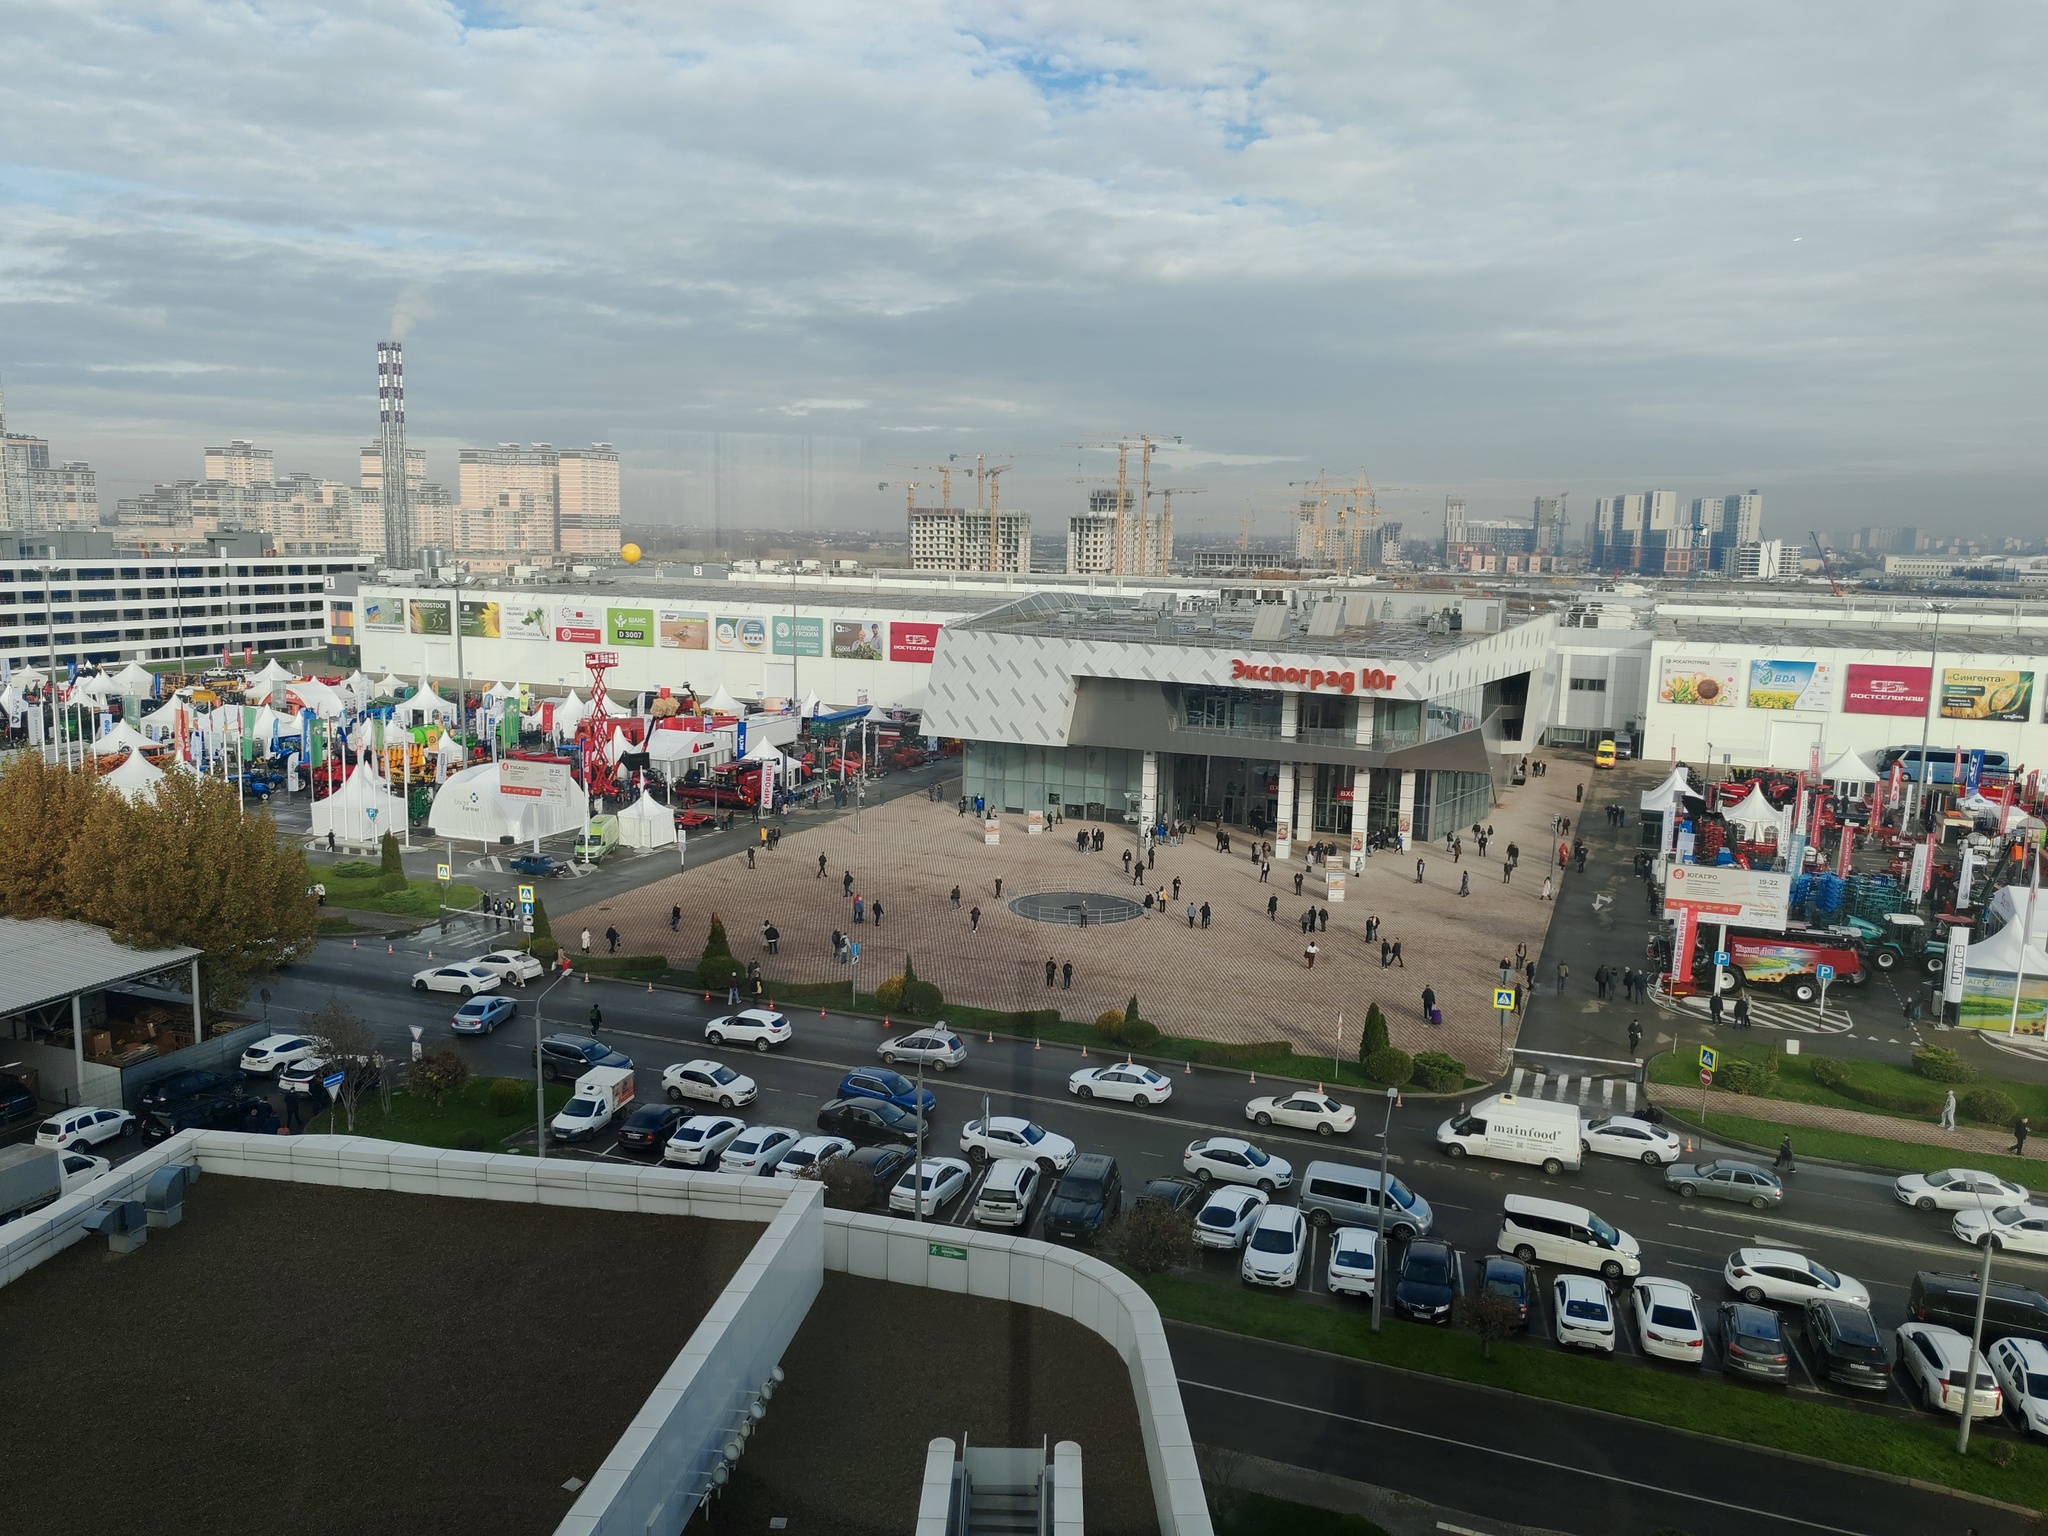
(912, 642)
(1342, 679)
(1887, 690)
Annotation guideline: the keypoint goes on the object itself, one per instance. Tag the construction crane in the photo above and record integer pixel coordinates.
(995, 507)
(1146, 443)
(1166, 493)
(1827, 566)
(943, 471)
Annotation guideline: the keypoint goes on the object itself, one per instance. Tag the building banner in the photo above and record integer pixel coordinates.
(1873, 690)
(577, 625)
(1974, 695)
(683, 629)
(740, 633)
(535, 781)
(1741, 898)
(1699, 680)
(798, 636)
(427, 616)
(630, 626)
(1806, 685)
(482, 620)
(912, 642)
(857, 639)
(383, 613)
(523, 621)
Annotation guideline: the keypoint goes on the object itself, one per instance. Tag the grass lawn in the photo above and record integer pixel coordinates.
(1795, 1080)
(420, 898)
(1876, 1151)
(1240, 1513)
(1920, 1448)
(465, 1115)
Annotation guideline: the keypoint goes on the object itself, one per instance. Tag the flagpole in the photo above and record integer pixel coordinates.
(2012, 1026)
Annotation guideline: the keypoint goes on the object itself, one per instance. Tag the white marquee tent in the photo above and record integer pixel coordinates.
(1755, 814)
(121, 738)
(1849, 768)
(362, 810)
(673, 746)
(647, 823)
(425, 704)
(723, 703)
(134, 682)
(134, 778)
(473, 805)
(311, 693)
(271, 675)
(1671, 794)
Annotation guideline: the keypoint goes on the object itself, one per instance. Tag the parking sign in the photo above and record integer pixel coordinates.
(1720, 957)
(1825, 972)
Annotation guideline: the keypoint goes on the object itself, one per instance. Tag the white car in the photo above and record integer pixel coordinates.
(1354, 1261)
(1005, 1197)
(1626, 1136)
(757, 1149)
(513, 965)
(2021, 1369)
(1779, 1274)
(78, 1169)
(701, 1140)
(1957, 1189)
(1232, 1160)
(930, 1185)
(1584, 1313)
(273, 1053)
(463, 980)
(1935, 1361)
(758, 1027)
(2021, 1228)
(1272, 1254)
(939, 1048)
(1304, 1111)
(712, 1081)
(1228, 1216)
(84, 1127)
(811, 1152)
(1126, 1080)
(1668, 1320)
(1010, 1136)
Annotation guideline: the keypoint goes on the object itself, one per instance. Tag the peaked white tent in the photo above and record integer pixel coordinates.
(134, 682)
(810, 706)
(134, 778)
(272, 674)
(123, 737)
(362, 810)
(761, 752)
(97, 685)
(647, 823)
(425, 704)
(387, 686)
(1671, 794)
(359, 687)
(1849, 768)
(473, 805)
(311, 693)
(723, 703)
(163, 719)
(569, 714)
(1755, 814)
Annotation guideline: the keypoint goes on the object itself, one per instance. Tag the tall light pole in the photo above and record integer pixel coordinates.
(540, 1092)
(1379, 1252)
(1927, 718)
(1977, 1329)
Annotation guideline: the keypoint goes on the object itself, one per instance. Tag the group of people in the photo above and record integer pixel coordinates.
(1635, 988)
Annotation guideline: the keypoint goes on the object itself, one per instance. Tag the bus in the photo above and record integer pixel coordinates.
(1941, 765)
(1603, 755)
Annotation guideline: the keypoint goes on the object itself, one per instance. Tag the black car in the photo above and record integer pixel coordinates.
(885, 1166)
(570, 1056)
(2010, 1311)
(866, 1122)
(649, 1127)
(1430, 1281)
(1175, 1194)
(1087, 1198)
(191, 1082)
(16, 1102)
(211, 1112)
(1510, 1279)
(1753, 1342)
(308, 1079)
(1850, 1348)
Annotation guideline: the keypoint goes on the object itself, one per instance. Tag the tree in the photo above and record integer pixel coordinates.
(392, 866)
(42, 808)
(1151, 1238)
(1374, 1036)
(543, 935)
(352, 1051)
(1492, 1316)
(849, 1186)
(716, 967)
(439, 1073)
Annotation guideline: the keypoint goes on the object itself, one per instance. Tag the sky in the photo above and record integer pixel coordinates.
(776, 252)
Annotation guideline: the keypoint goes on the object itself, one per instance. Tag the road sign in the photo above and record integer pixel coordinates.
(947, 1251)
(333, 1080)
(1824, 972)
(1709, 1058)
(1706, 1077)
(1720, 957)
(1504, 997)
(527, 926)
(441, 872)
(526, 895)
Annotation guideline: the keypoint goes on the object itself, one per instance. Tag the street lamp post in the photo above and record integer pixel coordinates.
(917, 1204)
(1927, 719)
(1379, 1251)
(1977, 1329)
(540, 1093)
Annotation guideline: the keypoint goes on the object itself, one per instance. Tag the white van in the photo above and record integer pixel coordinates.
(1539, 1131)
(1551, 1232)
(600, 1094)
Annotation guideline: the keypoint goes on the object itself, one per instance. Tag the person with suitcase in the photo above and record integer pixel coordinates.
(1428, 1004)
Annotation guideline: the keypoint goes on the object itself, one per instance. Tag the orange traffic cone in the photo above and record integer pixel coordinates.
(650, 989)
(707, 997)
(1127, 1058)
(1037, 1044)
(430, 954)
(389, 950)
(352, 944)
(1187, 1069)
(1084, 1053)
(885, 1021)
(1255, 1079)
(991, 1037)
(821, 1013)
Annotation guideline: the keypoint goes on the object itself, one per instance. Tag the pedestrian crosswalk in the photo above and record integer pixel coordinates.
(1612, 1095)
(1768, 1013)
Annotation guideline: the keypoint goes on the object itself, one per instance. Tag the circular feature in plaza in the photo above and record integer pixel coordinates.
(1076, 909)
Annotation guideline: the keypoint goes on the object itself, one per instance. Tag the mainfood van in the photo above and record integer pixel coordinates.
(1539, 1131)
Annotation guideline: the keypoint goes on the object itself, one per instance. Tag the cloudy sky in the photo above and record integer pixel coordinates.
(1479, 249)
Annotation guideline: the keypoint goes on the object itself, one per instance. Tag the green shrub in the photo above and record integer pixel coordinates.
(1251, 1056)
(357, 869)
(471, 1141)
(918, 997)
(1392, 1067)
(1439, 1072)
(388, 860)
(1943, 1065)
(716, 968)
(1837, 1078)
(1110, 1024)
(1031, 1020)
(543, 935)
(889, 995)
(1738, 1076)
(1374, 1036)
(510, 1097)
(1139, 1033)
(1987, 1106)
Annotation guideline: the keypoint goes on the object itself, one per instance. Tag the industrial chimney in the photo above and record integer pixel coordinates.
(396, 491)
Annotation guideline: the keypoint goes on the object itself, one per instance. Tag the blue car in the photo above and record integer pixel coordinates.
(538, 865)
(481, 1015)
(892, 1087)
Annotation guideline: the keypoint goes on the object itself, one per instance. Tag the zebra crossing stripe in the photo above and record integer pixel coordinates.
(1629, 1090)
(1536, 1088)
(1606, 1093)
(1515, 1084)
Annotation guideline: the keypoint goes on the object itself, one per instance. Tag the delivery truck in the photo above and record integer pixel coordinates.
(30, 1178)
(1516, 1130)
(602, 1094)
(598, 839)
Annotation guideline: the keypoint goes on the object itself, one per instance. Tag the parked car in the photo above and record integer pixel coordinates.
(273, 1053)
(930, 1186)
(701, 1140)
(1354, 1261)
(211, 1112)
(2021, 1228)
(1011, 1136)
(712, 1081)
(481, 1015)
(1089, 1196)
(869, 1121)
(1779, 1274)
(1582, 1313)
(570, 1056)
(885, 1166)
(1934, 1364)
(2011, 1310)
(889, 1086)
(464, 980)
(1957, 1189)
(78, 1169)
(2021, 1368)
(1232, 1160)
(1848, 1347)
(1753, 1342)
(939, 1048)
(1626, 1136)
(307, 1079)
(1668, 1320)
(1556, 1233)
(188, 1083)
(1727, 1178)
(1342, 1195)
(1429, 1282)
(811, 1152)
(513, 965)
(757, 1149)
(1273, 1253)
(1174, 1194)
(1126, 1081)
(601, 1096)
(1304, 1111)
(1005, 1197)
(85, 1127)
(16, 1102)
(1227, 1217)
(758, 1027)
(1510, 1279)
(538, 866)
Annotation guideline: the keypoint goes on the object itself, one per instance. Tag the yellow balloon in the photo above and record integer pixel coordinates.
(630, 553)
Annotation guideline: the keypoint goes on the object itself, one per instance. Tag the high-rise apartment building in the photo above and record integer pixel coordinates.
(957, 539)
(541, 500)
(241, 463)
(36, 494)
(1454, 520)
(1549, 525)
(587, 502)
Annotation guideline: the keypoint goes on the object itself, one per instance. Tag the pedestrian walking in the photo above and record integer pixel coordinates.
(1784, 1158)
(1309, 954)
(1465, 883)
(821, 866)
(1127, 861)
(750, 855)
(1635, 1036)
(956, 898)
(586, 941)
(1564, 974)
(1600, 982)
(1715, 1007)
(1948, 1111)
(2019, 1137)
(1547, 888)
(1418, 871)
(771, 938)
(974, 919)
(291, 1100)
(1403, 964)
(1191, 914)
(1428, 1002)
(1152, 857)
(1628, 983)
(1529, 975)
(1521, 998)
(846, 883)
(1205, 914)
(839, 946)
(1052, 972)
(1580, 796)
(1273, 906)
(860, 910)
(1742, 1013)
(1265, 872)
(1504, 970)
(675, 919)
(1372, 927)
(1507, 871)
(611, 941)
(1306, 922)
(1386, 954)
(877, 909)
(1067, 977)
(1176, 887)
(1457, 849)
(1322, 920)
(596, 1018)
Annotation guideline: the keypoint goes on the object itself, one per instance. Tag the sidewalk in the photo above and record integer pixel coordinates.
(1855, 1122)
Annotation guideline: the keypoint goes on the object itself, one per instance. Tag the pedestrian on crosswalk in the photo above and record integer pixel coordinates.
(1635, 1036)
(1742, 1012)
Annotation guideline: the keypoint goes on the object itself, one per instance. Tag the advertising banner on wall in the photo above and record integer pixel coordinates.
(1887, 690)
(798, 636)
(740, 633)
(1700, 680)
(1742, 898)
(912, 642)
(1974, 695)
(427, 616)
(1791, 685)
(482, 620)
(630, 626)
(577, 625)
(522, 621)
(857, 639)
(683, 629)
(384, 613)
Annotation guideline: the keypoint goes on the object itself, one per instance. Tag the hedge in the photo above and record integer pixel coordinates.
(1836, 1077)
(1394, 1067)
(1439, 1072)
(1942, 1065)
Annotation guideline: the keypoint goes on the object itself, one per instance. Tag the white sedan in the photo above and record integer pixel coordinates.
(273, 1053)
(758, 1027)
(464, 980)
(712, 1081)
(939, 1048)
(1272, 1254)
(757, 1149)
(701, 1140)
(1957, 1189)
(2020, 1228)
(513, 965)
(1584, 1313)
(1011, 1136)
(1126, 1081)
(80, 1169)
(1668, 1320)
(1304, 1111)
(1231, 1160)
(930, 1185)
(1626, 1136)
(811, 1152)
(1778, 1274)
(1228, 1216)
(86, 1127)
(2021, 1367)
(1354, 1261)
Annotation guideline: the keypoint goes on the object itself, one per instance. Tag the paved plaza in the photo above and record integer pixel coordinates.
(1242, 979)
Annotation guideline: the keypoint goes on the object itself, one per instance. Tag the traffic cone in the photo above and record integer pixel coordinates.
(991, 1037)
(1187, 1069)
(885, 1021)
(352, 944)
(389, 950)
(821, 1013)
(707, 997)
(650, 989)
(1084, 1053)
(430, 954)
(1255, 1079)
(1127, 1058)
